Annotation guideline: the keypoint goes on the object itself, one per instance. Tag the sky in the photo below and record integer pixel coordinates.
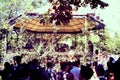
(110, 15)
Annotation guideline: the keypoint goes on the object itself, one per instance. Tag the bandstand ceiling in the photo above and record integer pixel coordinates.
(76, 25)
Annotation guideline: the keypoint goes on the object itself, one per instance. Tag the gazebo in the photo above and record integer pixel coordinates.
(31, 22)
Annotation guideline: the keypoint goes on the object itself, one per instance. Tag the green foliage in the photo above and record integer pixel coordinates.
(112, 43)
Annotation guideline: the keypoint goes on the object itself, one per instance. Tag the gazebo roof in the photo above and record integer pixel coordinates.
(75, 25)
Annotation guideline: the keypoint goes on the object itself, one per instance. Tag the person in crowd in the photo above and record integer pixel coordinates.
(85, 73)
(15, 66)
(36, 71)
(64, 73)
(76, 69)
(100, 72)
(117, 69)
(110, 63)
(91, 48)
(70, 76)
(51, 74)
(19, 71)
(6, 72)
(94, 67)
(110, 75)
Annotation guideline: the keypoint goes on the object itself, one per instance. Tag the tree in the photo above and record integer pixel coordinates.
(61, 11)
(113, 43)
(9, 11)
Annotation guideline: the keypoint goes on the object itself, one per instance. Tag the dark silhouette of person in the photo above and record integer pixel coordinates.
(6, 72)
(19, 71)
(36, 71)
(91, 48)
(86, 73)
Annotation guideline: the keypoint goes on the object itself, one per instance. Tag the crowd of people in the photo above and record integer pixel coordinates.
(74, 70)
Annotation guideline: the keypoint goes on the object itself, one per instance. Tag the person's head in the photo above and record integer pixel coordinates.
(85, 73)
(17, 59)
(96, 52)
(95, 63)
(35, 62)
(88, 64)
(64, 66)
(77, 63)
(6, 65)
(117, 70)
(111, 59)
(111, 75)
(100, 70)
(89, 42)
(49, 64)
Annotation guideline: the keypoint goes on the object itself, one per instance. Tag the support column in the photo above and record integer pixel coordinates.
(85, 32)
